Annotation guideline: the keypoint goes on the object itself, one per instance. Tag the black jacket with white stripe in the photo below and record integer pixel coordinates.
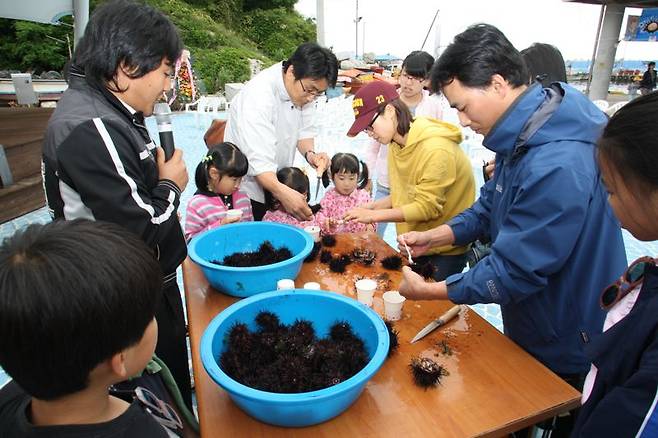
(99, 163)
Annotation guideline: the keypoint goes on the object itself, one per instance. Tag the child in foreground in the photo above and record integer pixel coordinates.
(77, 305)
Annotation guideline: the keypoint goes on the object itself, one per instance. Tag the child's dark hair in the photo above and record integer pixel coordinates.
(292, 177)
(346, 163)
(629, 143)
(226, 158)
(418, 64)
(72, 294)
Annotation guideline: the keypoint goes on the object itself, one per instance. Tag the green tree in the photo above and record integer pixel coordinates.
(34, 46)
(278, 32)
(250, 5)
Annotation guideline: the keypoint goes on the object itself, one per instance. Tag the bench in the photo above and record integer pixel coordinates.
(22, 132)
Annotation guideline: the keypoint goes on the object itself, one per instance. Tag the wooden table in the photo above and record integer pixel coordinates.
(493, 388)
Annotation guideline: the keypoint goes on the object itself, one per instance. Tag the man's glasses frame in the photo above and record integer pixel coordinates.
(314, 93)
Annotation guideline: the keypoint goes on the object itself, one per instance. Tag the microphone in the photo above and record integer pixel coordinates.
(162, 114)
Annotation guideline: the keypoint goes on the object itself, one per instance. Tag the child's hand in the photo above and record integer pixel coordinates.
(230, 220)
(359, 214)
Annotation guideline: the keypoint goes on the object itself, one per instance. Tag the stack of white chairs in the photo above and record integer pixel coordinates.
(207, 105)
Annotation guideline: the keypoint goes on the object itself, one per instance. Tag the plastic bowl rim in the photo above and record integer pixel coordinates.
(234, 387)
(308, 247)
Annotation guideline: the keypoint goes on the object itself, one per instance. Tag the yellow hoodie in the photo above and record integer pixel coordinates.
(431, 178)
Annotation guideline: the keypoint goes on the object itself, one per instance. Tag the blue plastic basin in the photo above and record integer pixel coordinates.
(323, 309)
(219, 242)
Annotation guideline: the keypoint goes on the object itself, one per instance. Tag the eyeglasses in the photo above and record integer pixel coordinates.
(372, 122)
(314, 93)
(629, 280)
(411, 78)
(162, 411)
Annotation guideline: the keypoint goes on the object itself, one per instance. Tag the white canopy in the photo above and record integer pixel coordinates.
(36, 10)
(49, 12)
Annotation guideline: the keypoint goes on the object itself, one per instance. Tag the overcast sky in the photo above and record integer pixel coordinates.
(398, 27)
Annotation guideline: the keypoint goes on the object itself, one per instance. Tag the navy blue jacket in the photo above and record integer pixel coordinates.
(556, 242)
(624, 397)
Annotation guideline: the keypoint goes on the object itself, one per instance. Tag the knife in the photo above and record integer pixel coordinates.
(319, 172)
(441, 320)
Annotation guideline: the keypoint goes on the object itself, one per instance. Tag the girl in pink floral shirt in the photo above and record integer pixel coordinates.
(297, 180)
(349, 176)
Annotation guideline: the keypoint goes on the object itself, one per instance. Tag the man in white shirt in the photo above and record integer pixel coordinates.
(274, 114)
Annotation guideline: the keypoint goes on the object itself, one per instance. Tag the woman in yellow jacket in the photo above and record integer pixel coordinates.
(430, 177)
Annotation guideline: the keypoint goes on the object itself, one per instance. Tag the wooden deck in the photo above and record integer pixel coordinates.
(22, 131)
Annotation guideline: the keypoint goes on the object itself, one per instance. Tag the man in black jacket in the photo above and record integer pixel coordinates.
(648, 82)
(99, 162)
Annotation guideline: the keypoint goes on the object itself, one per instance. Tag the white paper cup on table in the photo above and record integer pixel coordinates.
(365, 290)
(312, 285)
(393, 303)
(314, 231)
(233, 213)
(285, 284)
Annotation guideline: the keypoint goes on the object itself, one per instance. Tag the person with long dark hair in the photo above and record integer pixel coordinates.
(413, 79)
(621, 389)
(431, 177)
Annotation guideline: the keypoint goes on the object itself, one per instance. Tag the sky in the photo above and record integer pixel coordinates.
(398, 27)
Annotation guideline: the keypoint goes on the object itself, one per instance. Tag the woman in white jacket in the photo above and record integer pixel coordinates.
(415, 71)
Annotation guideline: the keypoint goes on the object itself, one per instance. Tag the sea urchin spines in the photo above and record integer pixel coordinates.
(394, 343)
(339, 264)
(268, 322)
(265, 255)
(329, 240)
(425, 270)
(325, 256)
(341, 332)
(426, 372)
(314, 253)
(392, 263)
(283, 361)
(363, 256)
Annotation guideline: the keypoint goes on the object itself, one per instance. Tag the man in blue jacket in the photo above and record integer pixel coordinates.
(556, 243)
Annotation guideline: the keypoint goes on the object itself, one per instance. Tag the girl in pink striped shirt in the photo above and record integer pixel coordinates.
(297, 180)
(218, 178)
(349, 176)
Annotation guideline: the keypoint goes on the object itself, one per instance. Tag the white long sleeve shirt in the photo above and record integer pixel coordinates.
(266, 126)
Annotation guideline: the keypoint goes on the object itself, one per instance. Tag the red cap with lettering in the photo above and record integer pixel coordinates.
(368, 101)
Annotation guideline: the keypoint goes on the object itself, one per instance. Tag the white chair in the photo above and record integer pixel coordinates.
(601, 104)
(199, 103)
(207, 105)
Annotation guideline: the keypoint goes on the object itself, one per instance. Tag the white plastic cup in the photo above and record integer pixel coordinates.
(312, 285)
(234, 212)
(365, 290)
(393, 303)
(285, 284)
(314, 231)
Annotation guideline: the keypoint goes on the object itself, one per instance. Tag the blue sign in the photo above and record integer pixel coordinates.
(647, 26)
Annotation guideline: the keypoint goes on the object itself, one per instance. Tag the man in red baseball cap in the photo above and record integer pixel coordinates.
(367, 101)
